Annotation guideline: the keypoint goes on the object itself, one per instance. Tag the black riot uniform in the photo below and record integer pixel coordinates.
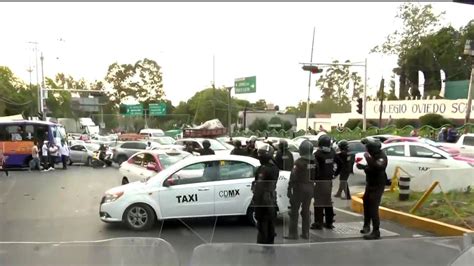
(238, 149)
(264, 196)
(376, 179)
(300, 190)
(206, 150)
(251, 150)
(283, 157)
(344, 168)
(323, 208)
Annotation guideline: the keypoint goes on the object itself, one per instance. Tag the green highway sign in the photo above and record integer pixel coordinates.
(134, 110)
(245, 85)
(157, 109)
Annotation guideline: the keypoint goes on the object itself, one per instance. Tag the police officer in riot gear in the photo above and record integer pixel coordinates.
(344, 168)
(323, 208)
(251, 150)
(300, 190)
(375, 178)
(264, 195)
(206, 150)
(238, 150)
(283, 157)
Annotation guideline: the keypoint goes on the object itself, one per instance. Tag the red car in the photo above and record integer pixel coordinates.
(451, 150)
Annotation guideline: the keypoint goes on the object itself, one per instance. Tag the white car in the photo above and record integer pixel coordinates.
(196, 143)
(292, 147)
(144, 164)
(198, 186)
(312, 138)
(415, 158)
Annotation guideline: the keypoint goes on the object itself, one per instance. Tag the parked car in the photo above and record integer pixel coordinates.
(451, 150)
(216, 146)
(197, 186)
(275, 141)
(383, 138)
(124, 150)
(144, 164)
(465, 144)
(416, 158)
(312, 138)
(82, 153)
(151, 132)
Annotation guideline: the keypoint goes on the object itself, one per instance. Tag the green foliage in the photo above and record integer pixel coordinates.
(259, 105)
(275, 120)
(434, 120)
(15, 96)
(403, 122)
(287, 125)
(358, 123)
(141, 81)
(259, 124)
(335, 84)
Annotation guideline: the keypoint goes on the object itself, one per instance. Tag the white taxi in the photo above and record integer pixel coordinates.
(415, 158)
(200, 186)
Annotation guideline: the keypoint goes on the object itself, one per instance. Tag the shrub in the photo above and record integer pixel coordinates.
(403, 122)
(259, 124)
(287, 125)
(354, 123)
(434, 120)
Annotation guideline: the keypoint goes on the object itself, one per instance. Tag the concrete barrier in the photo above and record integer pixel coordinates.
(449, 179)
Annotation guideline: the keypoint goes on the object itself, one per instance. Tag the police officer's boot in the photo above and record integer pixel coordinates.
(372, 236)
(329, 217)
(365, 229)
(318, 218)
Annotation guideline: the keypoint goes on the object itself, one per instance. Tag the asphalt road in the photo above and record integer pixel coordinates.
(62, 205)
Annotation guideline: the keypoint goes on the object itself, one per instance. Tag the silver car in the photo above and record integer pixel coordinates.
(82, 153)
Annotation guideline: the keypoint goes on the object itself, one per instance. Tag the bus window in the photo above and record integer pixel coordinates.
(15, 132)
(3, 134)
(41, 133)
(29, 132)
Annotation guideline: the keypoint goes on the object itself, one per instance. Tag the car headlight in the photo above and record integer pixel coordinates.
(112, 197)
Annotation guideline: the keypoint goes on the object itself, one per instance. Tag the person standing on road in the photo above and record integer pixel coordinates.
(3, 163)
(323, 208)
(148, 145)
(300, 190)
(53, 155)
(35, 161)
(283, 157)
(375, 178)
(264, 195)
(344, 167)
(238, 149)
(206, 150)
(45, 156)
(251, 150)
(64, 151)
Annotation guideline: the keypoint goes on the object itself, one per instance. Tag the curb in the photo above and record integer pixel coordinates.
(410, 220)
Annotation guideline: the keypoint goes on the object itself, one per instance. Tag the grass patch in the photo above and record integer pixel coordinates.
(436, 207)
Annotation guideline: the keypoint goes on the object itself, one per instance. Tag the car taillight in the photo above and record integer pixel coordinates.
(358, 159)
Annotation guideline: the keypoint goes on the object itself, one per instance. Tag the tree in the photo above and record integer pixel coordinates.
(391, 93)
(15, 96)
(335, 85)
(259, 124)
(418, 22)
(259, 105)
(141, 81)
(287, 125)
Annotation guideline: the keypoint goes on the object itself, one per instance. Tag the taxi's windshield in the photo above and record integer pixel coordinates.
(169, 159)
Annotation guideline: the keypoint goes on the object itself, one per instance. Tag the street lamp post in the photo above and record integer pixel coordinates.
(229, 124)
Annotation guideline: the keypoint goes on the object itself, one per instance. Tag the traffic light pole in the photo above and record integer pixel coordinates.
(364, 102)
(309, 85)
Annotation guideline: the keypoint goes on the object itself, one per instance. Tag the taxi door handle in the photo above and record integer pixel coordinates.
(203, 189)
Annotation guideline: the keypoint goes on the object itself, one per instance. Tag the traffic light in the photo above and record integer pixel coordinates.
(313, 69)
(360, 105)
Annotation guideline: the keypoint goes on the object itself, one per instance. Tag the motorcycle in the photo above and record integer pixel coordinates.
(97, 162)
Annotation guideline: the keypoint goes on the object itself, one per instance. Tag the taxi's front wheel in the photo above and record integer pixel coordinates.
(139, 217)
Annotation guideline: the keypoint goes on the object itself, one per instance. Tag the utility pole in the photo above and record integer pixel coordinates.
(364, 108)
(35, 49)
(214, 86)
(42, 83)
(382, 95)
(229, 124)
(469, 50)
(309, 83)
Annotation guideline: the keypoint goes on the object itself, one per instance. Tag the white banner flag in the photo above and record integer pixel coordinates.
(421, 83)
(443, 83)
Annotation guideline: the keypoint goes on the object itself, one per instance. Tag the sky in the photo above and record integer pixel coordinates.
(266, 40)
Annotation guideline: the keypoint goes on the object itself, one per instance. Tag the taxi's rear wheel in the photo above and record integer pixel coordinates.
(251, 216)
(139, 217)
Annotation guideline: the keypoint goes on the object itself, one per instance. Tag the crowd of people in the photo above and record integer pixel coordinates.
(311, 178)
(49, 155)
